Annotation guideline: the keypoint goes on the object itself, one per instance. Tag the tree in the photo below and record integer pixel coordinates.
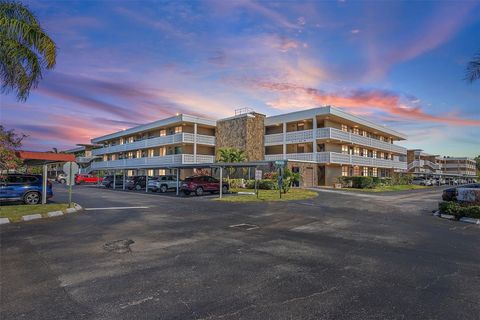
(231, 155)
(9, 143)
(473, 68)
(25, 49)
(477, 160)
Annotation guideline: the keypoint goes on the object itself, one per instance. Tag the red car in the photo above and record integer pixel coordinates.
(87, 178)
(202, 184)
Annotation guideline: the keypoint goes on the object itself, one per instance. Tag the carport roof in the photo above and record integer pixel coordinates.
(40, 158)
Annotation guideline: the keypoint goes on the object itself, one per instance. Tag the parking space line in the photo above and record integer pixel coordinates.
(115, 208)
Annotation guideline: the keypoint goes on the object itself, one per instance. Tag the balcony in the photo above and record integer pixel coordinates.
(332, 134)
(85, 159)
(340, 158)
(152, 162)
(157, 142)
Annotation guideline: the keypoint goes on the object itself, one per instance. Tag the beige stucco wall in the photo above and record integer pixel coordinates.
(332, 147)
(332, 124)
(332, 173)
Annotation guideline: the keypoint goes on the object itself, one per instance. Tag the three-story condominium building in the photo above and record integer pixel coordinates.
(337, 142)
(422, 163)
(175, 141)
(321, 143)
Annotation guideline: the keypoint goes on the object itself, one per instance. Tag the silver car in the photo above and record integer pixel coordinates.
(163, 183)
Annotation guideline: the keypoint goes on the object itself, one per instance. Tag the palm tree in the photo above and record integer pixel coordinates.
(231, 155)
(473, 68)
(25, 49)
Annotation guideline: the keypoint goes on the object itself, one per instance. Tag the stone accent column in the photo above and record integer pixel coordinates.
(314, 134)
(284, 140)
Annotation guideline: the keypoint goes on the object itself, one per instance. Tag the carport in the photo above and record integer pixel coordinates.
(221, 166)
(34, 159)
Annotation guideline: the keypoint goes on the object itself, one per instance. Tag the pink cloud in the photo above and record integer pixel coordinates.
(357, 100)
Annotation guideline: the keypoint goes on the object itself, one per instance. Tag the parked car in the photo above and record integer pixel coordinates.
(421, 181)
(23, 187)
(87, 178)
(163, 183)
(136, 182)
(202, 184)
(61, 178)
(450, 194)
(107, 181)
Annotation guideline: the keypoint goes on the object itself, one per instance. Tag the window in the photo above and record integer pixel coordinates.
(375, 172)
(382, 155)
(364, 133)
(344, 127)
(178, 129)
(374, 154)
(163, 132)
(344, 149)
(356, 151)
(365, 171)
(344, 171)
(365, 152)
(355, 131)
(356, 171)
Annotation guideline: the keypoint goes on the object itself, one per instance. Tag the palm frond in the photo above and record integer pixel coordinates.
(473, 69)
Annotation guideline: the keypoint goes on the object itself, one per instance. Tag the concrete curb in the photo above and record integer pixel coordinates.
(451, 217)
(54, 214)
(51, 214)
(31, 217)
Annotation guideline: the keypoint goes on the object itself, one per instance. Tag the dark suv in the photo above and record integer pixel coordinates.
(137, 182)
(23, 187)
(108, 181)
(202, 184)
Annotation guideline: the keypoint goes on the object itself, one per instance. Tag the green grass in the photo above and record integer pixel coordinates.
(390, 188)
(15, 212)
(269, 195)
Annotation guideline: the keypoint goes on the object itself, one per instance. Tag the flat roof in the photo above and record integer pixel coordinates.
(159, 123)
(39, 158)
(330, 110)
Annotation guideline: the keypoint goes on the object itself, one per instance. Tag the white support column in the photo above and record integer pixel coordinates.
(195, 142)
(114, 177)
(123, 179)
(178, 176)
(146, 180)
(221, 182)
(284, 140)
(44, 184)
(314, 133)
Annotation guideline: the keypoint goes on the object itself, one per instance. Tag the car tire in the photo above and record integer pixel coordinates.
(63, 181)
(224, 189)
(32, 197)
(186, 192)
(163, 188)
(138, 187)
(199, 191)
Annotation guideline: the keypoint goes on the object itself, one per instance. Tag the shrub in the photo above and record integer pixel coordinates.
(236, 183)
(263, 184)
(459, 210)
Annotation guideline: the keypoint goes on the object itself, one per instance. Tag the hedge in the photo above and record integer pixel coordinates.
(459, 210)
(264, 184)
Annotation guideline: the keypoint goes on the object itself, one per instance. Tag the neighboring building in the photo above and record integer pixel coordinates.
(321, 143)
(459, 165)
(422, 162)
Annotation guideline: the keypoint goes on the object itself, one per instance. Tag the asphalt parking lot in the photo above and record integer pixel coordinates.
(338, 256)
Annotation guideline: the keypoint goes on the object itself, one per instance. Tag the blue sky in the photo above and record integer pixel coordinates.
(122, 63)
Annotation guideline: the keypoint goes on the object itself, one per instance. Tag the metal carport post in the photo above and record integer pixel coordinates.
(178, 176)
(221, 182)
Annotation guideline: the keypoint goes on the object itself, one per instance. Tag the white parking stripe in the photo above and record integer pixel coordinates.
(115, 208)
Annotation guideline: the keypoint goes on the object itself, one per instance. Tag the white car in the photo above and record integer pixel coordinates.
(163, 183)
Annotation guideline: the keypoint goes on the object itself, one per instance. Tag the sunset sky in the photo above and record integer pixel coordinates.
(122, 63)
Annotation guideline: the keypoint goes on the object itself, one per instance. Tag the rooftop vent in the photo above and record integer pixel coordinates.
(243, 110)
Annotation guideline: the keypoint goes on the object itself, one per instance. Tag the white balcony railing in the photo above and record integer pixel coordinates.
(334, 134)
(340, 158)
(157, 141)
(424, 163)
(153, 162)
